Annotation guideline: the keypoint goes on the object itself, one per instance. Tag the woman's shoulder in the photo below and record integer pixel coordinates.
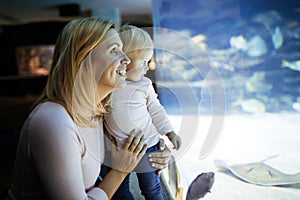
(50, 109)
(50, 121)
(49, 105)
(50, 114)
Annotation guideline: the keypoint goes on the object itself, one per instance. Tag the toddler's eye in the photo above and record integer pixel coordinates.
(145, 64)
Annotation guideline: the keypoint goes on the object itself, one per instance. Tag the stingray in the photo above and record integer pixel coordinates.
(197, 189)
(200, 186)
(259, 173)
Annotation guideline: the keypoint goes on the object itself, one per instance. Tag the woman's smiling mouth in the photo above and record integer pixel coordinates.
(121, 72)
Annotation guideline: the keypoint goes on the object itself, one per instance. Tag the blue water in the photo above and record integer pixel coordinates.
(238, 59)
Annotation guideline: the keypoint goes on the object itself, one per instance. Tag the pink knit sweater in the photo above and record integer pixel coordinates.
(57, 159)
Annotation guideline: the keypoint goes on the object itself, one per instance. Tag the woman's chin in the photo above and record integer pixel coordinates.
(121, 83)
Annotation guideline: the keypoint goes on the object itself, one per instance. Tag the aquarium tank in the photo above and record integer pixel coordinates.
(252, 45)
(228, 74)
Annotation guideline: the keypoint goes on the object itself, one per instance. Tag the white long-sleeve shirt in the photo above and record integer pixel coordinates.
(136, 106)
(56, 159)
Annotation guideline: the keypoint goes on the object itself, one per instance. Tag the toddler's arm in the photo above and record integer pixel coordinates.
(175, 139)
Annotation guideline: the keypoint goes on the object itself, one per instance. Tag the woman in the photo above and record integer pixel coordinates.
(61, 147)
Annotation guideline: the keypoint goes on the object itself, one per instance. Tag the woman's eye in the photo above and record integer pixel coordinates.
(114, 51)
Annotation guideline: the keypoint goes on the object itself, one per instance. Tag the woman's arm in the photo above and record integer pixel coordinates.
(56, 150)
(112, 181)
(124, 161)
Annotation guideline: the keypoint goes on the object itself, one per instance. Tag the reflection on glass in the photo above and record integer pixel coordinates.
(228, 73)
(34, 60)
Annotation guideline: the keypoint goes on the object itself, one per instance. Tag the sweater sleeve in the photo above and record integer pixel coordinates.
(157, 112)
(56, 148)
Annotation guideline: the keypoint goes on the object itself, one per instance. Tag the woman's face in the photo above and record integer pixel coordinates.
(110, 61)
(138, 65)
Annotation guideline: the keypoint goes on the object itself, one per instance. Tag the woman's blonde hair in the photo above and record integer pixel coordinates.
(135, 39)
(72, 80)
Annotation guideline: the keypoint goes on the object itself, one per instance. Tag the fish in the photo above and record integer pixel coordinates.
(251, 105)
(223, 65)
(238, 42)
(257, 83)
(245, 63)
(294, 32)
(258, 173)
(293, 65)
(199, 38)
(277, 38)
(268, 18)
(296, 106)
(256, 47)
(200, 186)
(189, 74)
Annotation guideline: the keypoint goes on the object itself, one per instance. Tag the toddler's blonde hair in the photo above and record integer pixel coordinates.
(135, 39)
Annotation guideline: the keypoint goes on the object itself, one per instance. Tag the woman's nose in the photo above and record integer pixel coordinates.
(125, 60)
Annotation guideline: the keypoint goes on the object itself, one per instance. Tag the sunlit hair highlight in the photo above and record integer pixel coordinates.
(72, 80)
(135, 39)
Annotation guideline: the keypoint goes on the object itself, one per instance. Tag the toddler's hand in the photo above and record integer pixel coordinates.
(175, 139)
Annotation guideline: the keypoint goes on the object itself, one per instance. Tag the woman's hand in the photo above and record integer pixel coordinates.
(126, 158)
(160, 158)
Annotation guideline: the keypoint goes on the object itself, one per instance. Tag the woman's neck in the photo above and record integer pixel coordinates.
(103, 92)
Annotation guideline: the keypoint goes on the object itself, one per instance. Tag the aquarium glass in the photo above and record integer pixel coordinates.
(253, 46)
(34, 60)
(228, 74)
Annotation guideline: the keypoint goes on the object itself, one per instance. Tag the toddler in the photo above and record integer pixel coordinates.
(136, 106)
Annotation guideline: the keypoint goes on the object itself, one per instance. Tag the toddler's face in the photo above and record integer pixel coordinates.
(139, 64)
